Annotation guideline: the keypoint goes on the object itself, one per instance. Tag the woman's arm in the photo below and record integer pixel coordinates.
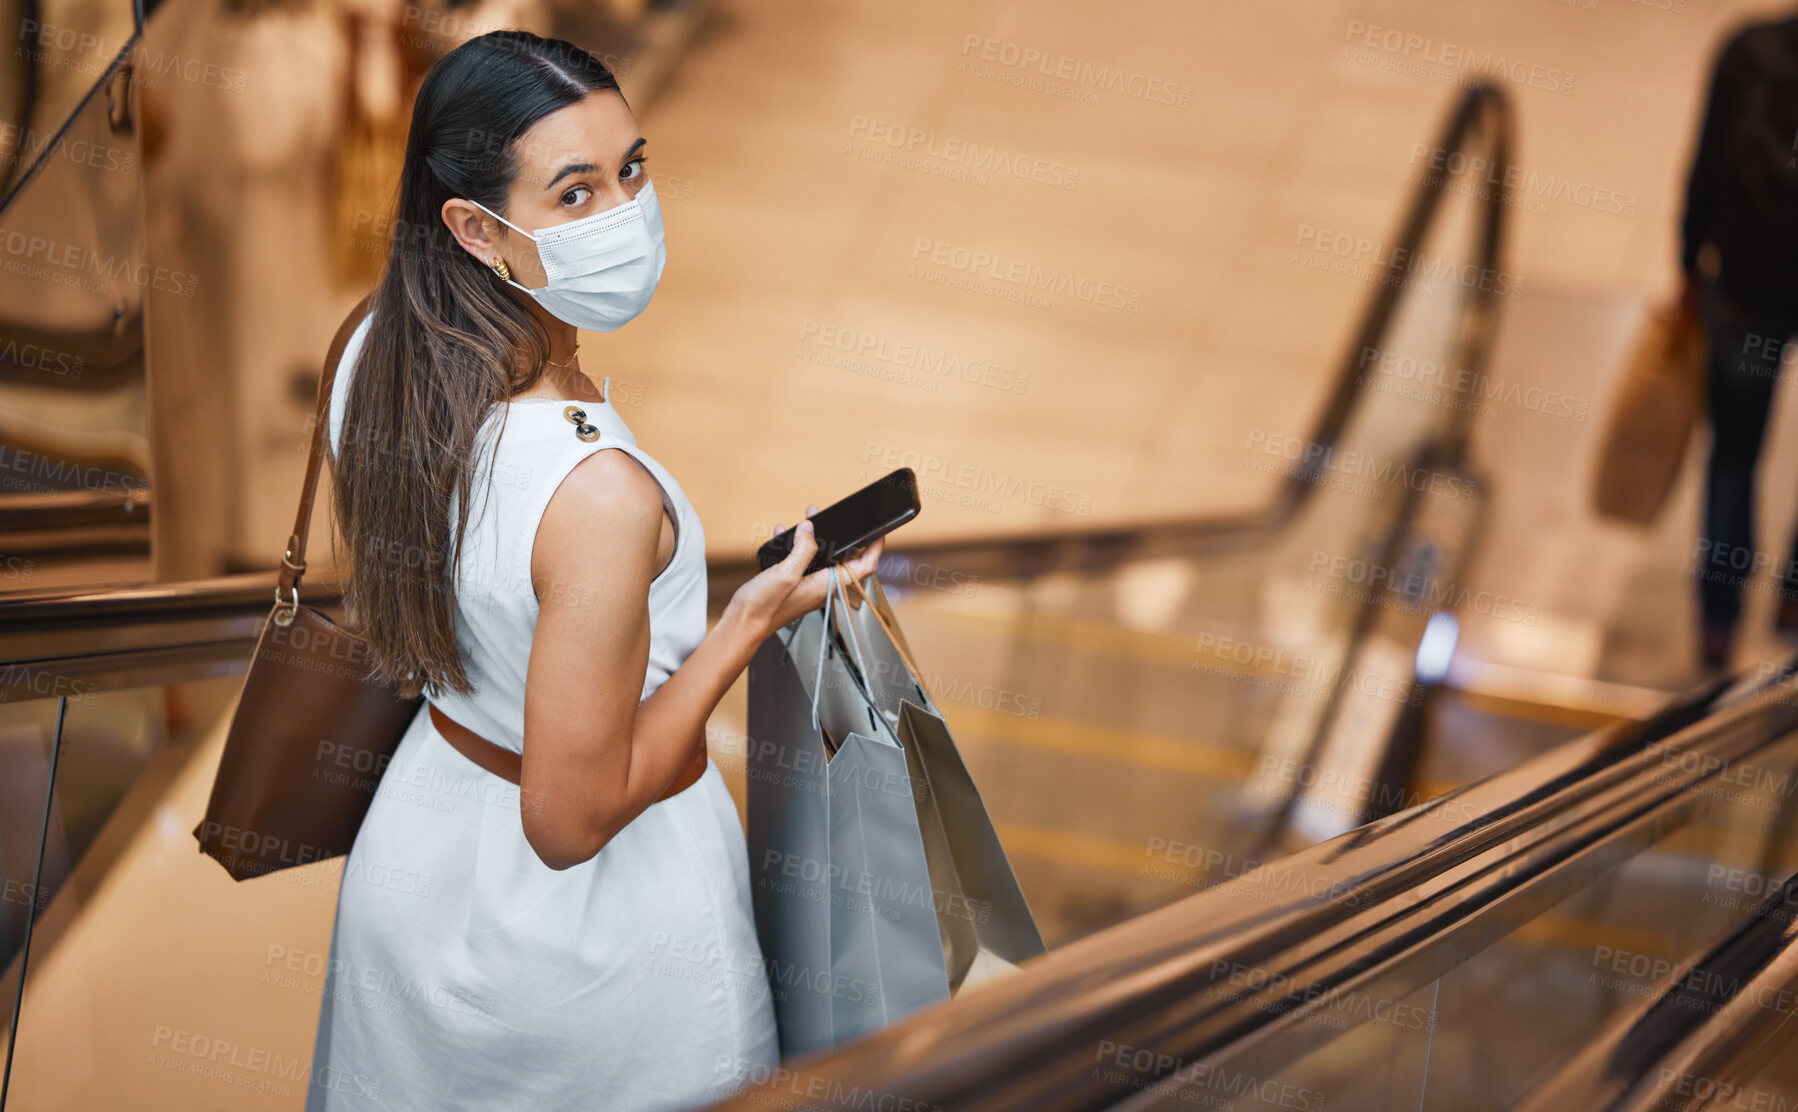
(594, 757)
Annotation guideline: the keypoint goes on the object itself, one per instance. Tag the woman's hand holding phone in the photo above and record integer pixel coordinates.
(783, 592)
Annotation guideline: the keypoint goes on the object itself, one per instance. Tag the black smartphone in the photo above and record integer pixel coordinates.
(842, 527)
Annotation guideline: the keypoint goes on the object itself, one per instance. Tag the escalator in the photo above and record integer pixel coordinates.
(1606, 926)
(1288, 849)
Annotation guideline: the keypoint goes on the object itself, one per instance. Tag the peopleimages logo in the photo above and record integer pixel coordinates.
(1312, 677)
(1367, 258)
(19, 469)
(1339, 1007)
(1408, 47)
(1514, 179)
(1315, 458)
(78, 50)
(935, 471)
(917, 142)
(1412, 585)
(41, 683)
(1196, 1082)
(1398, 373)
(25, 146)
(929, 363)
(1024, 274)
(41, 358)
(777, 1086)
(1273, 880)
(72, 262)
(1074, 78)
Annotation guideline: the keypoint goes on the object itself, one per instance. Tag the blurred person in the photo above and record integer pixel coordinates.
(1739, 257)
(236, 102)
(581, 936)
(388, 47)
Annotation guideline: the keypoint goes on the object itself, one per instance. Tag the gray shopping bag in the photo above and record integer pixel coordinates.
(986, 923)
(981, 911)
(841, 888)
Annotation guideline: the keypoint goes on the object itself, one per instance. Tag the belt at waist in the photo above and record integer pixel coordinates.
(508, 766)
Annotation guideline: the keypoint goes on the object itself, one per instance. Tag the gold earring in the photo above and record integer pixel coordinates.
(500, 268)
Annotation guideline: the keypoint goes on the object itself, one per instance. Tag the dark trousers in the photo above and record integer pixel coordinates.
(1743, 367)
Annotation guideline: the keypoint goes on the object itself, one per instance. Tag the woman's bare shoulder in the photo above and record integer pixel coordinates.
(605, 516)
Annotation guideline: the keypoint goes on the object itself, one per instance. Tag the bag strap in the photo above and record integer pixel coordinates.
(293, 561)
(869, 592)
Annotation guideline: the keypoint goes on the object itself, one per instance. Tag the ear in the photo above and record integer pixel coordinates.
(477, 232)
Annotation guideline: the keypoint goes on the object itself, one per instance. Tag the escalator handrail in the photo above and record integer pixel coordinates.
(98, 606)
(1236, 975)
(81, 640)
(1702, 1031)
(74, 509)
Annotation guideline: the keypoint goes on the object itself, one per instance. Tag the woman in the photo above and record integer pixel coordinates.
(576, 934)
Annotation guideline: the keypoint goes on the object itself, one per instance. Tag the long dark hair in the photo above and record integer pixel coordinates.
(448, 342)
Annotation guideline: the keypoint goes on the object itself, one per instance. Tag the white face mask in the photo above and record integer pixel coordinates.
(602, 269)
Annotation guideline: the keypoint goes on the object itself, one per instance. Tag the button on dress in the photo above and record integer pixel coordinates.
(466, 974)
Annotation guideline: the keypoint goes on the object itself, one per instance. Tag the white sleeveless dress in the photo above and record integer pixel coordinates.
(466, 974)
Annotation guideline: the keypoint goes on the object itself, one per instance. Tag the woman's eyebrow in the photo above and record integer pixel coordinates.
(571, 168)
(589, 168)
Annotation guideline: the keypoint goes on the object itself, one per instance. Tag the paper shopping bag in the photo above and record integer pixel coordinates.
(1651, 420)
(841, 889)
(976, 889)
(980, 906)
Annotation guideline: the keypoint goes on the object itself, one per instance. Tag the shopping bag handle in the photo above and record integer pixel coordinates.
(828, 643)
(855, 642)
(865, 597)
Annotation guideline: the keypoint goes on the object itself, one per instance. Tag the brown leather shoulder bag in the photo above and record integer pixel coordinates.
(312, 732)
